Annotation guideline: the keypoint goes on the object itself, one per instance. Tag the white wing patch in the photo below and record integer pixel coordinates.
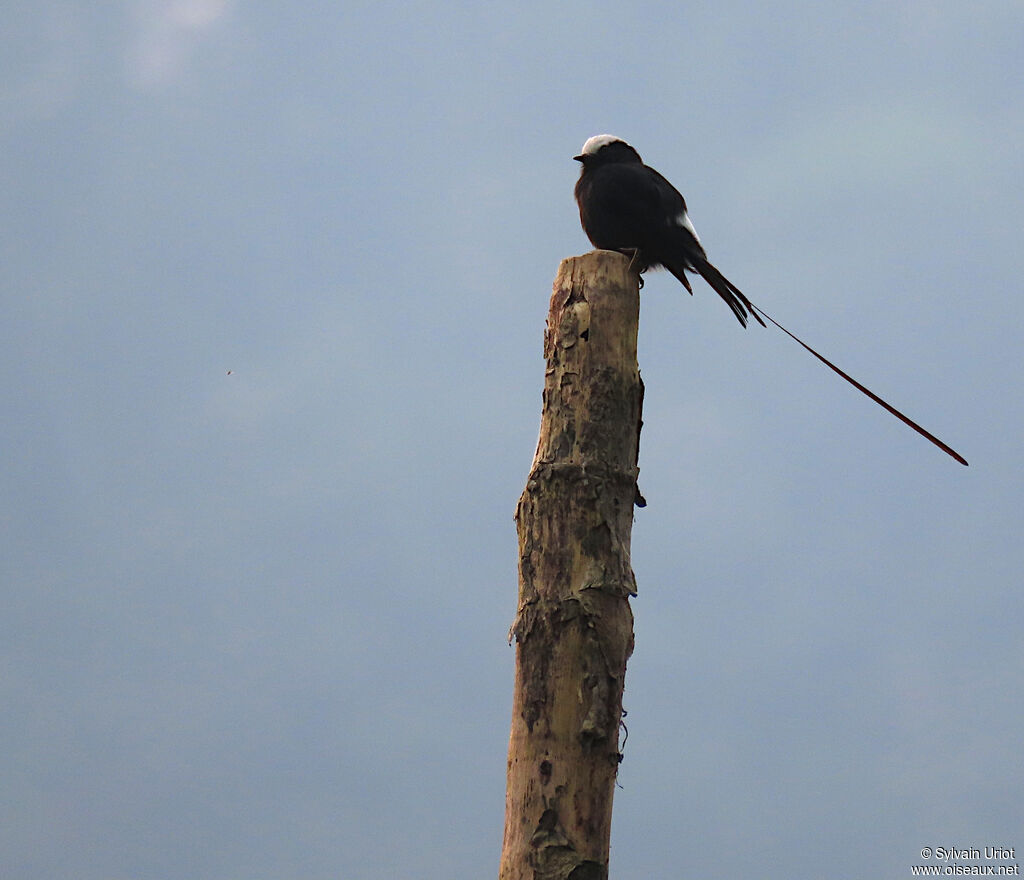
(595, 143)
(684, 220)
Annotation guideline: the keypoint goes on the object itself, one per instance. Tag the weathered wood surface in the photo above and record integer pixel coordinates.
(574, 627)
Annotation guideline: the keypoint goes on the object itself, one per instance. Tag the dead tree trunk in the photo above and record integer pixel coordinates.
(574, 628)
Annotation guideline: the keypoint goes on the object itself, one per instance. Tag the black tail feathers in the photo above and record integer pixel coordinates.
(742, 308)
(728, 291)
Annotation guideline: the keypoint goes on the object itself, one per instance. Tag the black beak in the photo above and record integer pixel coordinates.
(578, 158)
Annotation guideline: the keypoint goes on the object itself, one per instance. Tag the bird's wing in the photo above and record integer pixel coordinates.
(672, 201)
(674, 206)
(629, 198)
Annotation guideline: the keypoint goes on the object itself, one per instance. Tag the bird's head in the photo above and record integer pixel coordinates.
(605, 148)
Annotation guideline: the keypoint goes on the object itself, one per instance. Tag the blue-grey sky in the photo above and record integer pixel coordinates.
(274, 281)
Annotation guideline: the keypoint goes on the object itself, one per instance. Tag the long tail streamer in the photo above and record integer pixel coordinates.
(926, 434)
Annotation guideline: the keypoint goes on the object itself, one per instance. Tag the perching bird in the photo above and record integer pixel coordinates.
(629, 207)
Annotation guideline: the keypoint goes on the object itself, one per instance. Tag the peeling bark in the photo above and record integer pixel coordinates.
(574, 627)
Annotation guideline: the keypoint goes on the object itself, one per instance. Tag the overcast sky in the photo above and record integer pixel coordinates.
(274, 280)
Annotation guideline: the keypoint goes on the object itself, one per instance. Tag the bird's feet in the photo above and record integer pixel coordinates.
(636, 264)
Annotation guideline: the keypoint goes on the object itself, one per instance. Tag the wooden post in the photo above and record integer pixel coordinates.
(574, 627)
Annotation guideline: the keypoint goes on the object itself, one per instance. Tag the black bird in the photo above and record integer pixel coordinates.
(629, 207)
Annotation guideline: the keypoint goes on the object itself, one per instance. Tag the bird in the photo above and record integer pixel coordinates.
(629, 207)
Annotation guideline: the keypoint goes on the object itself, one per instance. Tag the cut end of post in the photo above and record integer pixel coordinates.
(599, 266)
